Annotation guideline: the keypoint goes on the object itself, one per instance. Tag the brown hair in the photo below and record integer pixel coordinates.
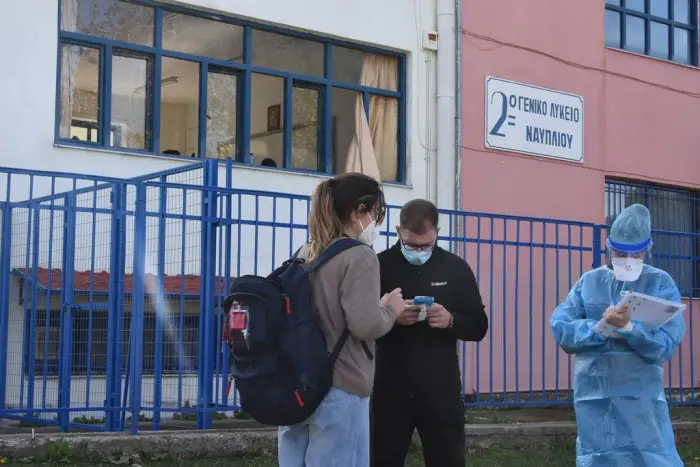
(418, 216)
(333, 203)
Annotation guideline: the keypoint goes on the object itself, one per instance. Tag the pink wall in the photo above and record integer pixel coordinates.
(635, 128)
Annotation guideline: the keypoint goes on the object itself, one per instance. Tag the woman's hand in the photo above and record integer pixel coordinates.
(410, 315)
(394, 299)
(616, 318)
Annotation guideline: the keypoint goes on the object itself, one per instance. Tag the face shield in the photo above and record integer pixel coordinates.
(627, 259)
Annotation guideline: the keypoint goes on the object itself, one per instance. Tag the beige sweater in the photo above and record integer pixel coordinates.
(346, 293)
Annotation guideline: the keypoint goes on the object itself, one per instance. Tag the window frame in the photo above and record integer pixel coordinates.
(87, 323)
(326, 83)
(647, 17)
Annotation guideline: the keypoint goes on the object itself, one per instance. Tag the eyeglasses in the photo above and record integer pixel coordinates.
(416, 246)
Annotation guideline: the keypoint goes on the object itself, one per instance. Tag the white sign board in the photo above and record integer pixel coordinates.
(533, 120)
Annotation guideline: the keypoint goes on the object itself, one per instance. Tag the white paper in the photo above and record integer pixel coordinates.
(651, 311)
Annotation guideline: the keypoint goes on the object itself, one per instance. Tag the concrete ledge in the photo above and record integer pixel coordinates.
(235, 443)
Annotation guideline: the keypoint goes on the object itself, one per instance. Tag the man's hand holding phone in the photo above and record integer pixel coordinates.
(439, 317)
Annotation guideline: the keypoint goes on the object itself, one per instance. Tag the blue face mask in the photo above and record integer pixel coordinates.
(417, 258)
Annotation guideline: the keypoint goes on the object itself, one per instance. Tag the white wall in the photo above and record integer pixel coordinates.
(27, 118)
(27, 123)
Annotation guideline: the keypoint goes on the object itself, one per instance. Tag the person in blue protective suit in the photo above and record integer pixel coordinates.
(621, 410)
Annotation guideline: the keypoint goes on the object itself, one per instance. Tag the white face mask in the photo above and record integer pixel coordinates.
(627, 269)
(369, 233)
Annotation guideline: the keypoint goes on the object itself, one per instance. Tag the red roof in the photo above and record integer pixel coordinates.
(188, 284)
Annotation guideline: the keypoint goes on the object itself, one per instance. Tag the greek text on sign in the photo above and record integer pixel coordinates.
(533, 120)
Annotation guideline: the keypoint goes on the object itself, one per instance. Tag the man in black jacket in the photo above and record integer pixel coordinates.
(417, 381)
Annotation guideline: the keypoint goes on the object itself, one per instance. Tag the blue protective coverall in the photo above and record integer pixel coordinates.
(621, 410)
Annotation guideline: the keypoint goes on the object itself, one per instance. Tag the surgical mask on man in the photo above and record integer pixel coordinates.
(417, 258)
(627, 269)
(369, 233)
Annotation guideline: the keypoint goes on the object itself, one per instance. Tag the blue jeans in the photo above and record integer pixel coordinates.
(336, 435)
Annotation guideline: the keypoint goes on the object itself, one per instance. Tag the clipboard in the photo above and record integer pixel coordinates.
(650, 311)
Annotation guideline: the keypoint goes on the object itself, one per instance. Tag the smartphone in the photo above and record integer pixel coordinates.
(425, 303)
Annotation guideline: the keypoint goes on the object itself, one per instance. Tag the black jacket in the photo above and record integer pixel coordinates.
(419, 359)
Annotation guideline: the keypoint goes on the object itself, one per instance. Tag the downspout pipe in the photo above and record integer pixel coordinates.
(458, 105)
(446, 170)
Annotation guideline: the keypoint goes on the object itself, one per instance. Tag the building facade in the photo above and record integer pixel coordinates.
(282, 94)
(298, 87)
(530, 126)
(572, 111)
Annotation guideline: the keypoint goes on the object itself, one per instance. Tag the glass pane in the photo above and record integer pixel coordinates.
(305, 128)
(384, 124)
(681, 11)
(266, 120)
(80, 78)
(131, 92)
(346, 107)
(287, 53)
(613, 2)
(357, 67)
(221, 115)
(198, 36)
(658, 40)
(659, 8)
(681, 45)
(612, 29)
(78, 133)
(637, 5)
(179, 107)
(634, 34)
(111, 19)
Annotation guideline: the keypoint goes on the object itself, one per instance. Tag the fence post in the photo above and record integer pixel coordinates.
(597, 246)
(207, 302)
(226, 282)
(138, 297)
(160, 306)
(66, 325)
(5, 249)
(31, 355)
(115, 311)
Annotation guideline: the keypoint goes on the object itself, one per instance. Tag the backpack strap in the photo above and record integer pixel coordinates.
(333, 250)
(296, 253)
(339, 346)
(341, 343)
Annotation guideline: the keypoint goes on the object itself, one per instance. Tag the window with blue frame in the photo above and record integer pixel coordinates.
(138, 76)
(665, 29)
(179, 351)
(675, 217)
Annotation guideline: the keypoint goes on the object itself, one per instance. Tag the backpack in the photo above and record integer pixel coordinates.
(279, 357)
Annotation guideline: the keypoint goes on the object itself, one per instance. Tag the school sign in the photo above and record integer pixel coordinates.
(533, 120)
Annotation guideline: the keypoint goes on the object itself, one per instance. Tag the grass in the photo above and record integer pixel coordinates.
(558, 456)
(561, 455)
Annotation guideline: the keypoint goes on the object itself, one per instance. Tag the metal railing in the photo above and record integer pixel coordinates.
(110, 291)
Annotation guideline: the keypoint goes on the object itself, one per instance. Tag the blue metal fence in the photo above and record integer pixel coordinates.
(110, 291)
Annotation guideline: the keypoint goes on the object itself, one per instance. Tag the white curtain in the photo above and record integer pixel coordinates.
(374, 146)
(69, 67)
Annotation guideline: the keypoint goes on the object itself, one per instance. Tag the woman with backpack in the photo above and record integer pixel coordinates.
(346, 292)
